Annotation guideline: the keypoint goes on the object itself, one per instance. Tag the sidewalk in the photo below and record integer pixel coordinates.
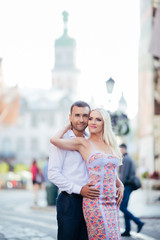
(148, 211)
(44, 217)
(138, 203)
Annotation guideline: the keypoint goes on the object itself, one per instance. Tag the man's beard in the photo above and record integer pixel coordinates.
(79, 130)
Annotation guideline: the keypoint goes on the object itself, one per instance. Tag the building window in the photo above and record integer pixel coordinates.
(43, 118)
(6, 146)
(34, 120)
(34, 144)
(51, 120)
(20, 145)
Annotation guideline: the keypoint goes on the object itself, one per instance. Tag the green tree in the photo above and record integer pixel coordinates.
(20, 167)
(4, 167)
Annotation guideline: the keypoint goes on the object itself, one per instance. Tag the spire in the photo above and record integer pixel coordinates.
(65, 20)
(122, 104)
(65, 40)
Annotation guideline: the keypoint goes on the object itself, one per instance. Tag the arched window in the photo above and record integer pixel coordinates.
(20, 144)
(34, 120)
(6, 146)
(34, 144)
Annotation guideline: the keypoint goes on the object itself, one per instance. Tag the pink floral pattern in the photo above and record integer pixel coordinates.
(102, 214)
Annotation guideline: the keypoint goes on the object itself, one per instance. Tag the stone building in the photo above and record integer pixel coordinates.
(42, 112)
(9, 102)
(64, 74)
(149, 85)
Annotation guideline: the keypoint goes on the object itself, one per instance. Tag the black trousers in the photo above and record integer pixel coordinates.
(71, 223)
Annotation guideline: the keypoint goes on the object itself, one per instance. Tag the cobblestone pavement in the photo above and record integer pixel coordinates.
(28, 227)
(19, 220)
(150, 231)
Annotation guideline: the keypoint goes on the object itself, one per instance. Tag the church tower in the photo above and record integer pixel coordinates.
(64, 74)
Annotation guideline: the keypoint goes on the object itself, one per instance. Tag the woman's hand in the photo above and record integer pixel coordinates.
(61, 132)
(119, 194)
(68, 125)
(69, 144)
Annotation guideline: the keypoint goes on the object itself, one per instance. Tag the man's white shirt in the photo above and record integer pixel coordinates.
(67, 169)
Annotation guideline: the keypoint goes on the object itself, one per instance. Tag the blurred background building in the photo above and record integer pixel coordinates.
(9, 102)
(149, 85)
(29, 118)
(64, 74)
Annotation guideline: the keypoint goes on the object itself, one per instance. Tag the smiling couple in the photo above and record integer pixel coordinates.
(84, 168)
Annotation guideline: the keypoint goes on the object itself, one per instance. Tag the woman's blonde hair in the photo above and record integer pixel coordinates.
(108, 135)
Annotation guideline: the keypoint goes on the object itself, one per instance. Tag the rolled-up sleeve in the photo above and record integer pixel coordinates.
(55, 168)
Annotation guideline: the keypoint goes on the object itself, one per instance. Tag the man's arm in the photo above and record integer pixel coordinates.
(88, 191)
(125, 170)
(55, 167)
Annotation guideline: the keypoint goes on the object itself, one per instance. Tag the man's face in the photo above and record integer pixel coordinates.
(79, 118)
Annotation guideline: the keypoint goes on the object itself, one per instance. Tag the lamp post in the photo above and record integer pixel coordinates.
(119, 119)
(109, 84)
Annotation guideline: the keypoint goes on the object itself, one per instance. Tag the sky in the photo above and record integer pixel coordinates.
(107, 38)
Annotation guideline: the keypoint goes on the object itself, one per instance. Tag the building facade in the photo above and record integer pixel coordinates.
(9, 102)
(64, 73)
(42, 112)
(149, 86)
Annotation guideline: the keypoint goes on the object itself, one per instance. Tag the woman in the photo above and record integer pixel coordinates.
(36, 179)
(102, 158)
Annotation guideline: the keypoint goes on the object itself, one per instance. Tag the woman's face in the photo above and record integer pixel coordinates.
(95, 122)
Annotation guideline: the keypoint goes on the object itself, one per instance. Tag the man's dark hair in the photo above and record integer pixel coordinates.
(80, 104)
(123, 145)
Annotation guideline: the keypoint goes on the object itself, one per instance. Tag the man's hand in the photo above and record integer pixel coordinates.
(119, 195)
(88, 192)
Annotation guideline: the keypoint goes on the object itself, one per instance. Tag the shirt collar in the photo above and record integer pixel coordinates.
(71, 134)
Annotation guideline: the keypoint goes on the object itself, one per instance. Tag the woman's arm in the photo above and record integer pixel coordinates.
(68, 144)
(60, 133)
(120, 191)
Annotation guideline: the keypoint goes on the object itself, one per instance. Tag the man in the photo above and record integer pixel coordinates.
(67, 170)
(126, 174)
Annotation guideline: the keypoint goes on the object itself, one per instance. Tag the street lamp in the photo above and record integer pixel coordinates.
(119, 119)
(110, 84)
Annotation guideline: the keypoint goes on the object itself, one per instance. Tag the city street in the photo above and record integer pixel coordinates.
(21, 220)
